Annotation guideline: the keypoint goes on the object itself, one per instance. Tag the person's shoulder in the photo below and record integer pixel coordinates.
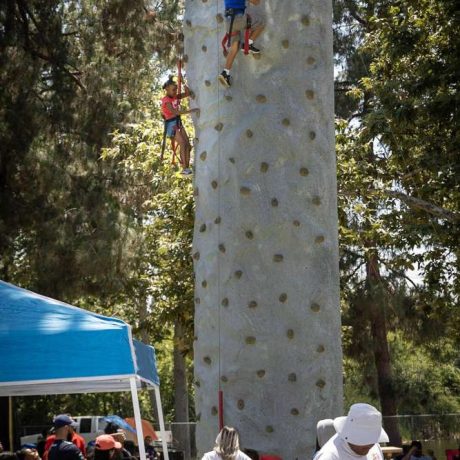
(329, 451)
(242, 456)
(210, 456)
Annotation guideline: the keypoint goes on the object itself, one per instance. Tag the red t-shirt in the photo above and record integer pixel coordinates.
(76, 439)
(167, 114)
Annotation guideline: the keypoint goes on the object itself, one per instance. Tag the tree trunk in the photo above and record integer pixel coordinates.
(265, 247)
(181, 431)
(381, 349)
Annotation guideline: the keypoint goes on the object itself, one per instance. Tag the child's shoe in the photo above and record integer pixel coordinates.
(225, 79)
(252, 49)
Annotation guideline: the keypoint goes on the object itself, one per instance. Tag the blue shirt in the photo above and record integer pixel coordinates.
(235, 4)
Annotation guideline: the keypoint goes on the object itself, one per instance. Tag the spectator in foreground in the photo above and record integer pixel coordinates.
(27, 453)
(415, 452)
(358, 435)
(62, 449)
(105, 447)
(227, 446)
(73, 437)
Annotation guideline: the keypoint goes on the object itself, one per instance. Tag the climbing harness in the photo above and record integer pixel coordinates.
(232, 13)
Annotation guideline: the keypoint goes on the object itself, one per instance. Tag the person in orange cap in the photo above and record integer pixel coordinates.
(105, 447)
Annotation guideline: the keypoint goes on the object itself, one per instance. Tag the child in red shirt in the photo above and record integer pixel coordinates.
(173, 125)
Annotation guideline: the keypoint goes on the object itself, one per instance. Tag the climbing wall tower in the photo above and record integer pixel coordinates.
(265, 248)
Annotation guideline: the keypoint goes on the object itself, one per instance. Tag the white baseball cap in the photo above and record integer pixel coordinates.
(362, 426)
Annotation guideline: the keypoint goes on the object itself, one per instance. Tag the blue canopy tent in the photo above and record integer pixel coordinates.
(49, 347)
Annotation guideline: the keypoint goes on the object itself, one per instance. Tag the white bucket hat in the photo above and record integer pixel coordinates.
(362, 426)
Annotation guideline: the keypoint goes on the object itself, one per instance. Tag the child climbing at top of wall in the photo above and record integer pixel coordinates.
(170, 109)
(238, 20)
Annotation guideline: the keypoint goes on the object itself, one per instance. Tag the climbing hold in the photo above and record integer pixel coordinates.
(310, 94)
(249, 235)
(305, 20)
(312, 135)
(320, 383)
(207, 83)
(219, 127)
(285, 43)
(188, 23)
(319, 239)
(250, 340)
(264, 167)
(197, 300)
(296, 223)
(294, 411)
(219, 18)
(245, 191)
(252, 304)
(283, 297)
(196, 256)
(204, 1)
(261, 98)
(204, 48)
(185, 58)
(214, 410)
(214, 184)
(228, 97)
(225, 302)
(292, 377)
(198, 416)
(204, 283)
(269, 429)
(274, 202)
(304, 172)
(238, 274)
(196, 192)
(315, 307)
(261, 373)
(240, 404)
(321, 349)
(311, 60)
(286, 122)
(197, 383)
(203, 228)
(217, 220)
(207, 360)
(290, 334)
(278, 258)
(231, 160)
(222, 248)
(224, 379)
(249, 133)
(316, 200)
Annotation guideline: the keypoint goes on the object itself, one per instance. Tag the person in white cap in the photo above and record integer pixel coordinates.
(358, 435)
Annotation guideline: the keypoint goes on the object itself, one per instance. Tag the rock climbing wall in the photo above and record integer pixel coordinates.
(265, 249)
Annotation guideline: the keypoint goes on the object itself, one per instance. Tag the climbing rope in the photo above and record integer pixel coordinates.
(220, 391)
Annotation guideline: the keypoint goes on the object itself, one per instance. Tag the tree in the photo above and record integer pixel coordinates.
(266, 264)
(397, 201)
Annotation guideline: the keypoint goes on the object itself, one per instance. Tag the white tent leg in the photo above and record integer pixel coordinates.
(161, 420)
(138, 419)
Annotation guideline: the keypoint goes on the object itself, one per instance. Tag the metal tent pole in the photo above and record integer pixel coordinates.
(162, 424)
(137, 418)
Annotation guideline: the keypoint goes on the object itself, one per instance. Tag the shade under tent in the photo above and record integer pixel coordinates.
(49, 347)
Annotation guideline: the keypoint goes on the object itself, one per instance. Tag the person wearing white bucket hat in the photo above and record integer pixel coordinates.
(358, 435)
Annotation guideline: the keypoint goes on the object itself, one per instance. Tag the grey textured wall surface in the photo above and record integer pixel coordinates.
(265, 248)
